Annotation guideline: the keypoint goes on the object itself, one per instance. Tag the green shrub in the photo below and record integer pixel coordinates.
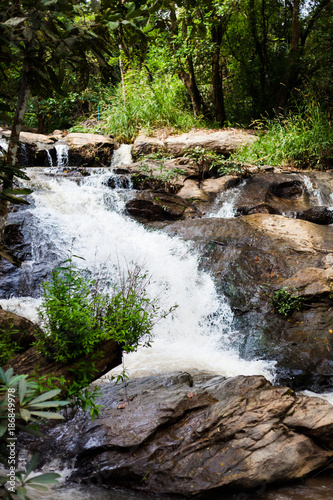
(285, 301)
(304, 138)
(76, 314)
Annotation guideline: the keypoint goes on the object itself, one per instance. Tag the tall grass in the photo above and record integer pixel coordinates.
(303, 139)
(147, 105)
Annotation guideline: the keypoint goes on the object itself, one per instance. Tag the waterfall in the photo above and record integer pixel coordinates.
(122, 155)
(85, 220)
(224, 205)
(62, 153)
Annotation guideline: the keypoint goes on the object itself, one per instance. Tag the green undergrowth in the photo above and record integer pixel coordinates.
(286, 301)
(145, 106)
(303, 139)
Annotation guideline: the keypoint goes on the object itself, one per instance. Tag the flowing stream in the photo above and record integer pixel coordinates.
(87, 219)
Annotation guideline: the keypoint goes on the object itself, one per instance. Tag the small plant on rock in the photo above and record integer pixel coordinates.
(286, 301)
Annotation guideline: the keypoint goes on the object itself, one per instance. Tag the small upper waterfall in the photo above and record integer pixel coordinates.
(224, 205)
(62, 153)
(122, 155)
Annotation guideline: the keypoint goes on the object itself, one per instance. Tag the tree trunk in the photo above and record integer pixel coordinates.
(188, 79)
(292, 70)
(32, 363)
(219, 109)
(14, 144)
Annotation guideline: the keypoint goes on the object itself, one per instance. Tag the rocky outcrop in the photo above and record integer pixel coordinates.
(318, 215)
(178, 434)
(251, 257)
(221, 141)
(158, 206)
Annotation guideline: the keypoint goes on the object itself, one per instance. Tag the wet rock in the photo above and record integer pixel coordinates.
(182, 435)
(252, 256)
(318, 215)
(311, 282)
(262, 208)
(192, 192)
(222, 141)
(288, 189)
(158, 206)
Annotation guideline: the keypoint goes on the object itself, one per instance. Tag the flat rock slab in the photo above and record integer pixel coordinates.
(77, 139)
(221, 141)
(181, 435)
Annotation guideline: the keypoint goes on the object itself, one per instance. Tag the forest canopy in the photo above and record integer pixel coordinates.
(225, 62)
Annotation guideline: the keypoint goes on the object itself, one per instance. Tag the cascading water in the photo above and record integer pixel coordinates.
(87, 220)
(224, 205)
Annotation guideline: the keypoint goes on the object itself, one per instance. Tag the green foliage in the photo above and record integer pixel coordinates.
(147, 105)
(8, 347)
(77, 316)
(21, 402)
(285, 301)
(304, 138)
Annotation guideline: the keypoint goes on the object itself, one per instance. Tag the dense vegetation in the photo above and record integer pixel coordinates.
(158, 64)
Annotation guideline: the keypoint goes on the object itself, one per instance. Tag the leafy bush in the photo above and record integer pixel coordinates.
(77, 315)
(8, 347)
(147, 105)
(303, 138)
(286, 301)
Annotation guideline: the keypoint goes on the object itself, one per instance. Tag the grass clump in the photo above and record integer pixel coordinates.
(303, 139)
(146, 105)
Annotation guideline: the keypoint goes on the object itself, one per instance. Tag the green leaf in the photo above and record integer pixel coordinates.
(17, 191)
(32, 464)
(22, 389)
(45, 396)
(113, 25)
(38, 487)
(47, 414)
(48, 404)
(47, 478)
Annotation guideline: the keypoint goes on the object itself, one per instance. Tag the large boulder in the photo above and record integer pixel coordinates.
(178, 434)
(158, 206)
(221, 141)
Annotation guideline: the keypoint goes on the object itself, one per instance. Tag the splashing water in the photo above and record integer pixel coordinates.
(62, 154)
(83, 219)
(228, 199)
(122, 155)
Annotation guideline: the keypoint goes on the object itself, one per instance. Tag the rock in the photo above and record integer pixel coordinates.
(157, 206)
(192, 192)
(23, 330)
(78, 140)
(31, 361)
(262, 208)
(311, 282)
(174, 434)
(221, 141)
(214, 186)
(318, 215)
(252, 256)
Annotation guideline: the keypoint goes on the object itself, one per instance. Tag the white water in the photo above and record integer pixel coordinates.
(87, 220)
(122, 155)
(62, 153)
(228, 199)
(4, 145)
